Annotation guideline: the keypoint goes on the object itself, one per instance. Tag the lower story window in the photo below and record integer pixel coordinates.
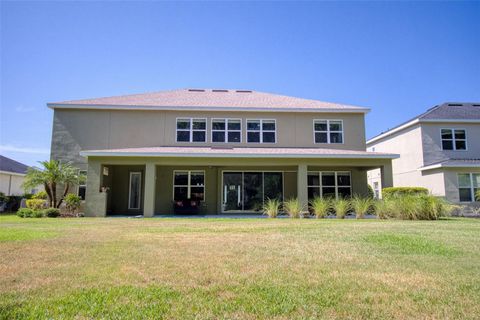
(134, 192)
(330, 184)
(82, 186)
(468, 186)
(189, 185)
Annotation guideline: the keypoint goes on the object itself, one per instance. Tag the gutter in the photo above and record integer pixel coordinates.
(186, 108)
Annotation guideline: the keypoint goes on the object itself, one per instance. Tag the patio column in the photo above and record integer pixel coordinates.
(302, 188)
(95, 201)
(386, 174)
(149, 197)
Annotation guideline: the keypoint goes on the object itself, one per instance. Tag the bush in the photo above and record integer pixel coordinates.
(3, 197)
(414, 207)
(38, 214)
(51, 212)
(25, 213)
(72, 202)
(321, 207)
(271, 207)
(36, 204)
(293, 208)
(403, 191)
(477, 196)
(341, 207)
(361, 206)
(40, 195)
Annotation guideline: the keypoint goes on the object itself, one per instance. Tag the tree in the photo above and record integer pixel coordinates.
(52, 175)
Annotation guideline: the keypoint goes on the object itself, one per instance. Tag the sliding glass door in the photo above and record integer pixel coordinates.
(247, 191)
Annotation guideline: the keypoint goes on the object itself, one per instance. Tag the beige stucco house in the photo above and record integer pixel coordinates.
(212, 151)
(12, 175)
(439, 150)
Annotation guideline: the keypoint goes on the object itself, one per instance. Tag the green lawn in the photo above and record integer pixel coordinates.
(242, 269)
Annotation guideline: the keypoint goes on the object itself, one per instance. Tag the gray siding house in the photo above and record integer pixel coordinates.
(212, 151)
(439, 150)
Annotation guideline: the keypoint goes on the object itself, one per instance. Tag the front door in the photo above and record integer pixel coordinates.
(232, 191)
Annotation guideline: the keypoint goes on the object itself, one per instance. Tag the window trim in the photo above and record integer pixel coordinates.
(261, 131)
(472, 188)
(190, 130)
(328, 131)
(453, 139)
(226, 131)
(130, 190)
(319, 173)
(82, 184)
(189, 185)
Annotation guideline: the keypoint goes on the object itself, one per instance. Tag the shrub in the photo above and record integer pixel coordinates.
(477, 195)
(321, 207)
(36, 204)
(361, 206)
(293, 208)
(341, 207)
(403, 191)
(271, 207)
(3, 197)
(40, 195)
(371, 193)
(24, 212)
(414, 207)
(51, 212)
(38, 214)
(72, 202)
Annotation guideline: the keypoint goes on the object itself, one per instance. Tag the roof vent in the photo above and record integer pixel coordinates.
(219, 90)
(196, 90)
(220, 148)
(455, 105)
(244, 91)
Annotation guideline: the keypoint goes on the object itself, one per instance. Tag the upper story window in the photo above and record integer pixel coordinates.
(226, 130)
(191, 130)
(261, 131)
(328, 131)
(454, 139)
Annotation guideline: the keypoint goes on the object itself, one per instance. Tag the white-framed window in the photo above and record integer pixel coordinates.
(261, 130)
(332, 184)
(453, 139)
(468, 186)
(135, 190)
(328, 131)
(227, 130)
(82, 186)
(191, 130)
(188, 185)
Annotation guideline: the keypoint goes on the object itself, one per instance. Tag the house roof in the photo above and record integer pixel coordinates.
(220, 152)
(12, 166)
(445, 112)
(208, 99)
(453, 163)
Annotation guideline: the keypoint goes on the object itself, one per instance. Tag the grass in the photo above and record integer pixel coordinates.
(238, 268)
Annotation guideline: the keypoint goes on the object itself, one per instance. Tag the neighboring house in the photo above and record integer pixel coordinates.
(439, 150)
(12, 175)
(212, 151)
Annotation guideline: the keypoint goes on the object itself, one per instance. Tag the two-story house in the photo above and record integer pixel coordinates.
(212, 151)
(439, 150)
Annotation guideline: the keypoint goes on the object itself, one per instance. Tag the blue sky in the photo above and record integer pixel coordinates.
(399, 58)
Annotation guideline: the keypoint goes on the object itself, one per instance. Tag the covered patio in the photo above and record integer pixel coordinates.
(209, 180)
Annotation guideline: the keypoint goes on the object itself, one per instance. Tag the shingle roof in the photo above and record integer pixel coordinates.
(453, 110)
(210, 99)
(219, 152)
(9, 165)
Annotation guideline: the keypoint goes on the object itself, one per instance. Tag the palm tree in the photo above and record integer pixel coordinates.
(53, 174)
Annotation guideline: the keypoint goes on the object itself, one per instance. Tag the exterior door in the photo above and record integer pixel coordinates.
(232, 191)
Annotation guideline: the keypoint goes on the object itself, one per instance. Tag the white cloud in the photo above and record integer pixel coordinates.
(21, 108)
(11, 148)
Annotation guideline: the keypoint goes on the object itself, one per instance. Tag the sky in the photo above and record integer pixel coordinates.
(398, 58)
